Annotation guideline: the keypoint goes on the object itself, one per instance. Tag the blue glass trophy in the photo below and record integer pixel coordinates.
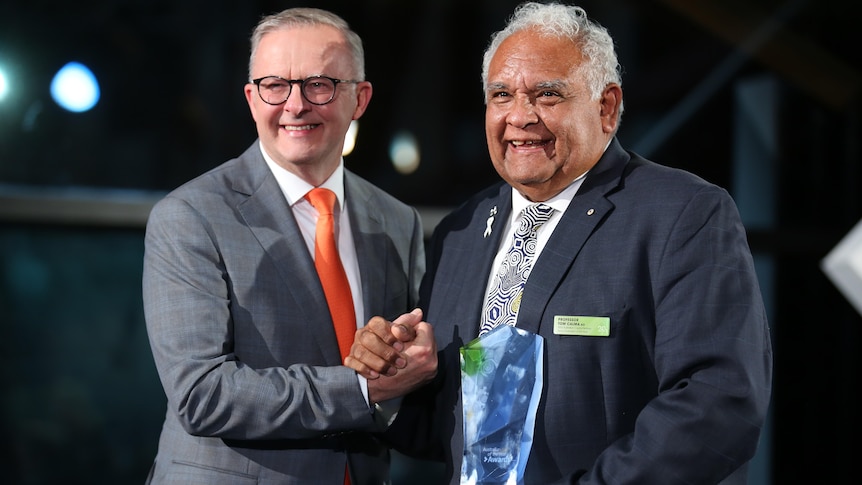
(501, 384)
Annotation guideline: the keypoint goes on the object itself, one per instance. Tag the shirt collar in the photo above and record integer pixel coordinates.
(560, 202)
(295, 189)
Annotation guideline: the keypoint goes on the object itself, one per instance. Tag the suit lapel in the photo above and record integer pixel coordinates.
(472, 253)
(365, 224)
(271, 220)
(588, 208)
(576, 226)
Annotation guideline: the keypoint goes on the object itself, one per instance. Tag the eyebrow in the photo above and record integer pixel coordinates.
(552, 84)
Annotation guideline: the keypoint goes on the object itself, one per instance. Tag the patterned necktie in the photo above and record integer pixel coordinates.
(331, 272)
(504, 299)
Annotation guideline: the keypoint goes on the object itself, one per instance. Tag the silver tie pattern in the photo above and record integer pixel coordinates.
(504, 299)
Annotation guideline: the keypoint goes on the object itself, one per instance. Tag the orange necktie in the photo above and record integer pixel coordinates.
(332, 275)
(331, 272)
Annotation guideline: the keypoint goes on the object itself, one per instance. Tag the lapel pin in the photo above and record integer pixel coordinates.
(490, 221)
(591, 212)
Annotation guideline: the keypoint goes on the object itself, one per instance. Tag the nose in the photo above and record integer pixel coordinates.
(522, 112)
(296, 102)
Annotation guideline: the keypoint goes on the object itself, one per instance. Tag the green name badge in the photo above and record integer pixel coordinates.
(582, 326)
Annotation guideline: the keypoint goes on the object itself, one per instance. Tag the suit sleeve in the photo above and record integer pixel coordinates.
(712, 356)
(190, 317)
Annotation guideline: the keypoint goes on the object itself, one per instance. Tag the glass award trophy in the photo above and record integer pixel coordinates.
(501, 384)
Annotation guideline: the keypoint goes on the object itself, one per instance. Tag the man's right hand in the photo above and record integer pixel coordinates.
(396, 357)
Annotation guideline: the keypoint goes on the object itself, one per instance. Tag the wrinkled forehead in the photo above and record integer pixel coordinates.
(530, 59)
(314, 49)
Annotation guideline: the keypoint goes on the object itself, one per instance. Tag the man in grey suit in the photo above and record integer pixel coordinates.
(657, 355)
(238, 322)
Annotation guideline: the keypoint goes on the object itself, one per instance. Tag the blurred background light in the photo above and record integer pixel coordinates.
(75, 88)
(404, 152)
(4, 84)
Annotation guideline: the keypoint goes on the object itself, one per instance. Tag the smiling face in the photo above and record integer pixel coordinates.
(304, 138)
(543, 127)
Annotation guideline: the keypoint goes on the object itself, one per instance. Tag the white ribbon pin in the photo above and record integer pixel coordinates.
(490, 221)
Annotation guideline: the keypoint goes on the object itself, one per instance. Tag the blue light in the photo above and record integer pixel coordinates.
(75, 88)
(4, 87)
(404, 152)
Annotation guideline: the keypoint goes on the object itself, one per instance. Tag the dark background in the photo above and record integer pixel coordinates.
(760, 97)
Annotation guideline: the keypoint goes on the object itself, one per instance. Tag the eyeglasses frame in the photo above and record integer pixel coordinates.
(301, 82)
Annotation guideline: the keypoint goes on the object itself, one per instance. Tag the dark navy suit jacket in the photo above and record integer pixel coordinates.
(679, 389)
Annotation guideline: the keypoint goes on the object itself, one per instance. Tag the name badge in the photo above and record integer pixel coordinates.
(582, 326)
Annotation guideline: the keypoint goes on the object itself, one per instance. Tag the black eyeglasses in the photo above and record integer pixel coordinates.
(317, 90)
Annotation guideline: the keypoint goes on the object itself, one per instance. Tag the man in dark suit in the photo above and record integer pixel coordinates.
(668, 378)
(238, 319)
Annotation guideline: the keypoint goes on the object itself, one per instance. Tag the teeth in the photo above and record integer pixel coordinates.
(518, 143)
(298, 128)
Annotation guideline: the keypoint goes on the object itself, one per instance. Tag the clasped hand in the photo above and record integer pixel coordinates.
(396, 357)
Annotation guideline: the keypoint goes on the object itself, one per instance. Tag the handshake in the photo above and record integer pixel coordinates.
(396, 357)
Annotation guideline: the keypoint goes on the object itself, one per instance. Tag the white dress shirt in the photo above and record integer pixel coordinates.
(295, 189)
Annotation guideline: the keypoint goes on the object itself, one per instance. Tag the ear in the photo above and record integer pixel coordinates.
(611, 103)
(363, 97)
(249, 97)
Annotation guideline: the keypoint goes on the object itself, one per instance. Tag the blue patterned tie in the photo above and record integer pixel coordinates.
(504, 299)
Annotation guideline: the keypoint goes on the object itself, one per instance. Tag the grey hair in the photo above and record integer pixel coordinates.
(296, 17)
(562, 21)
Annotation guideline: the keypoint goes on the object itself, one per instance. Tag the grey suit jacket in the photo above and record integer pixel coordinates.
(242, 338)
(677, 393)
